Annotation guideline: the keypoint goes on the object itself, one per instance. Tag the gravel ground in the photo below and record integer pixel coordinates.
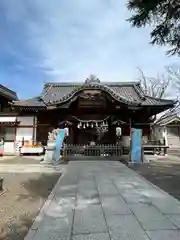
(164, 175)
(21, 160)
(24, 195)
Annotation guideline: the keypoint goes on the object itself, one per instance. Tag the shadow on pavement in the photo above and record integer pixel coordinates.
(40, 187)
(164, 175)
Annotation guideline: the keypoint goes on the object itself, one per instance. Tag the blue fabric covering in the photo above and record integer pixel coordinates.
(59, 142)
(136, 145)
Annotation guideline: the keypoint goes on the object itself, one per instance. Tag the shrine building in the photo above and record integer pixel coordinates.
(94, 111)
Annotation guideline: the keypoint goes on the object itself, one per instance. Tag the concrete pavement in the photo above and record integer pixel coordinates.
(106, 200)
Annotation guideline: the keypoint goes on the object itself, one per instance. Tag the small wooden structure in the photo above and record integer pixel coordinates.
(167, 129)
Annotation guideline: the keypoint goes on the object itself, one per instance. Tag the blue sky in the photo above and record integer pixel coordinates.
(67, 40)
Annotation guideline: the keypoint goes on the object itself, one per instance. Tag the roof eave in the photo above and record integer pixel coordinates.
(107, 89)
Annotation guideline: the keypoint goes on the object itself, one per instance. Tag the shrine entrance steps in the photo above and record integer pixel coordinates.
(91, 158)
(122, 159)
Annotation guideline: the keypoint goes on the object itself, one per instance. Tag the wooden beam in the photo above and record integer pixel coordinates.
(25, 126)
(34, 129)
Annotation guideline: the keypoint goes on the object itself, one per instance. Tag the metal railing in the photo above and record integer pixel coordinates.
(154, 142)
(75, 150)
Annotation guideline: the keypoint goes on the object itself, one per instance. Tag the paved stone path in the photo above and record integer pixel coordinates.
(108, 201)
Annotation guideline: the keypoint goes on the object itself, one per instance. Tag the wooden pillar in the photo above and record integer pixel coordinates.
(110, 130)
(34, 130)
(71, 135)
(130, 143)
(74, 135)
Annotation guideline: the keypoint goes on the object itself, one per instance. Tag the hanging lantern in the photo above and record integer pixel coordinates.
(84, 125)
(118, 131)
(92, 125)
(96, 124)
(66, 131)
(80, 124)
(87, 124)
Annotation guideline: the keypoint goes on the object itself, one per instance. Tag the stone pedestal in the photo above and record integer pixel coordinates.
(54, 144)
(48, 158)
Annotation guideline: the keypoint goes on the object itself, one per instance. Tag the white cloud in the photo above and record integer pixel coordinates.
(72, 38)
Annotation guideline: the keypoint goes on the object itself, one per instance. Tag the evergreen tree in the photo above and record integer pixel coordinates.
(164, 18)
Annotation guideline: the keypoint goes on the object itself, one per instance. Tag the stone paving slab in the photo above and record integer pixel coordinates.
(89, 220)
(125, 227)
(49, 235)
(94, 236)
(168, 205)
(106, 200)
(164, 235)
(175, 219)
(150, 217)
(62, 225)
(61, 208)
(134, 196)
(107, 189)
(114, 205)
(85, 201)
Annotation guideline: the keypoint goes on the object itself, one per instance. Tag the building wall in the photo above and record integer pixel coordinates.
(7, 132)
(9, 140)
(26, 130)
(25, 120)
(24, 133)
(125, 141)
(173, 136)
(159, 133)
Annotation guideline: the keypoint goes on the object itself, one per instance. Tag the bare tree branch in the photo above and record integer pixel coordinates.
(174, 74)
(158, 86)
(154, 86)
(143, 80)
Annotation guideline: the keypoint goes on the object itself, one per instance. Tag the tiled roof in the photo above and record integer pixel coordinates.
(156, 101)
(169, 115)
(167, 119)
(7, 93)
(61, 93)
(32, 102)
(128, 92)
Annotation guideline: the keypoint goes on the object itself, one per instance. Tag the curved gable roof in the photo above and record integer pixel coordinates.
(57, 93)
(61, 93)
